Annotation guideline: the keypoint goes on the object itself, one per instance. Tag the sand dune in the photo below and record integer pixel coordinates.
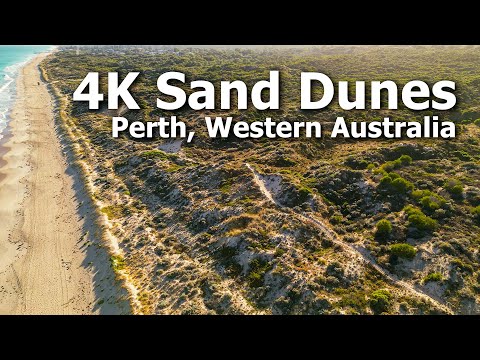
(50, 259)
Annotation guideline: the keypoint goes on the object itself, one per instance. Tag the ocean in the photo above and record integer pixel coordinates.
(12, 57)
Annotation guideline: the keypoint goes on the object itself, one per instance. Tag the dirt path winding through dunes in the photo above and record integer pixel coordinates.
(51, 261)
(356, 250)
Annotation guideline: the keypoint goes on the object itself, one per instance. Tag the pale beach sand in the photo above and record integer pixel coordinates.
(51, 259)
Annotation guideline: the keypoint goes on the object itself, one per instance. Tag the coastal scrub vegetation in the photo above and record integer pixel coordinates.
(199, 236)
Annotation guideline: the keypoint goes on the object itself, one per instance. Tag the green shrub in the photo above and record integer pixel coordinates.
(463, 155)
(402, 185)
(403, 250)
(459, 264)
(476, 212)
(356, 164)
(226, 186)
(432, 202)
(379, 170)
(453, 186)
(405, 159)
(477, 122)
(384, 228)
(257, 271)
(395, 183)
(279, 252)
(380, 301)
(154, 154)
(435, 276)
(284, 162)
(419, 194)
(303, 194)
(363, 164)
(391, 165)
(422, 222)
(386, 181)
(255, 279)
(336, 219)
(419, 220)
(447, 248)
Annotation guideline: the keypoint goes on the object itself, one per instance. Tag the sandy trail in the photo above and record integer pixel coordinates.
(357, 251)
(49, 261)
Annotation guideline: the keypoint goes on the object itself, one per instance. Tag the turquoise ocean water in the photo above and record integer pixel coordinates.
(12, 57)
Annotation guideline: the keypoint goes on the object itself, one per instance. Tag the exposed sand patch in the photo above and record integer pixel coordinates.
(262, 184)
(171, 146)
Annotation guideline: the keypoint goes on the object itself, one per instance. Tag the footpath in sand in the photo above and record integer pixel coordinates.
(50, 258)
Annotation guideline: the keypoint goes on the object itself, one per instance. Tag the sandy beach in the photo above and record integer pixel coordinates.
(50, 259)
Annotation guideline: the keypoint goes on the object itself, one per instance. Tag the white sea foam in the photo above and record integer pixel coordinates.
(13, 69)
(6, 100)
(6, 85)
(8, 76)
(7, 91)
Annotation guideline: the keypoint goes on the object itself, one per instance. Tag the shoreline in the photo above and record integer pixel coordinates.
(6, 135)
(51, 261)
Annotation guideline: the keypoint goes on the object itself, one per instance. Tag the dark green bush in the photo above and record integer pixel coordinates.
(257, 270)
(284, 162)
(356, 164)
(402, 185)
(432, 202)
(418, 194)
(462, 155)
(453, 186)
(403, 250)
(384, 228)
(303, 193)
(335, 269)
(419, 220)
(429, 200)
(336, 219)
(386, 181)
(394, 183)
(391, 165)
(279, 252)
(405, 159)
(380, 301)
